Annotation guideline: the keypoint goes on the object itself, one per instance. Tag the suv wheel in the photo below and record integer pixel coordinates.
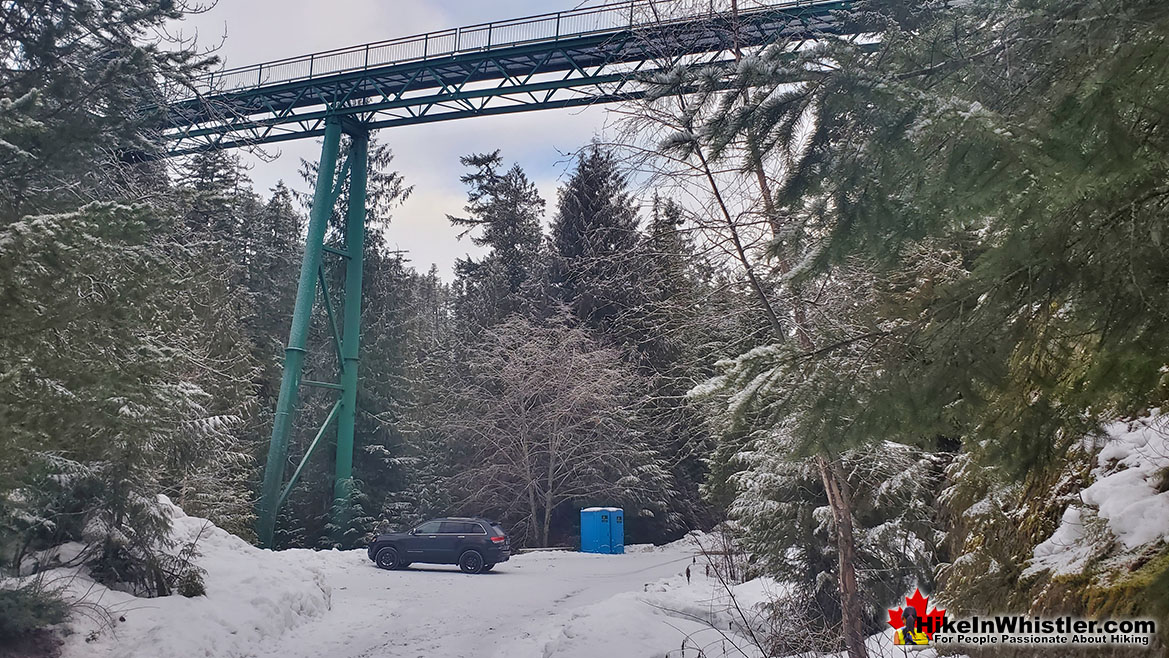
(470, 562)
(387, 558)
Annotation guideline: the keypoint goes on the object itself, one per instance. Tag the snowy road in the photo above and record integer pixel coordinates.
(337, 604)
(429, 611)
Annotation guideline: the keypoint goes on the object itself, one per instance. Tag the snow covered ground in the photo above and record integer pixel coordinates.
(300, 603)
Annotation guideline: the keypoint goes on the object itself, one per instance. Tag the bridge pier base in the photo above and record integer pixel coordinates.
(312, 276)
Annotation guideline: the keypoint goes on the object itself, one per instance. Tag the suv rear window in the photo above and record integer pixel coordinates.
(498, 531)
(461, 528)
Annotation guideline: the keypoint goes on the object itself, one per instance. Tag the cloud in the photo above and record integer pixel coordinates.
(266, 30)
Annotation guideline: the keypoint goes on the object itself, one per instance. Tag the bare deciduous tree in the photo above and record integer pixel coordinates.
(543, 415)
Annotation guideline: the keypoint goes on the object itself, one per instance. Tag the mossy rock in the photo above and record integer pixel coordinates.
(1140, 592)
(1114, 585)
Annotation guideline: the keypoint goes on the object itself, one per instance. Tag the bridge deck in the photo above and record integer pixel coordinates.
(553, 60)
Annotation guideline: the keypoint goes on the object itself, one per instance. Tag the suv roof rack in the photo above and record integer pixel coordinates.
(484, 519)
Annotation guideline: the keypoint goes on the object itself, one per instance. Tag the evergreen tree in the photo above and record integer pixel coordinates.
(674, 329)
(503, 213)
(982, 184)
(272, 254)
(100, 403)
(594, 241)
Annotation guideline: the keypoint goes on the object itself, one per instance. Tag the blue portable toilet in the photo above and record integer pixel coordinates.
(602, 530)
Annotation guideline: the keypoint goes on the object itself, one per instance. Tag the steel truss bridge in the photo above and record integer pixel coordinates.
(557, 60)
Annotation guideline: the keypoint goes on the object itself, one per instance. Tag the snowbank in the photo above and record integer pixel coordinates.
(676, 619)
(252, 595)
(685, 620)
(1122, 507)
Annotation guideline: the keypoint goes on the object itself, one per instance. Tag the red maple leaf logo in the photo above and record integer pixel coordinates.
(928, 622)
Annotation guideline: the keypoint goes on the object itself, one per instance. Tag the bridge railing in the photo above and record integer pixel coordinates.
(506, 33)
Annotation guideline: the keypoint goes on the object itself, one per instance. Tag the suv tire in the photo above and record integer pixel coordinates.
(470, 562)
(387, 558)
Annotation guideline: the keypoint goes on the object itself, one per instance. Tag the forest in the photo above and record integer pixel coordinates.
(872, 308)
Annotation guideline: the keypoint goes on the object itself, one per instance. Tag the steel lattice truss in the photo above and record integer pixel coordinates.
(552, 71)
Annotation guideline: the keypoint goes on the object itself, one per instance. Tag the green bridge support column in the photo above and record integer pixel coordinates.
(294, 354)
(350, 346)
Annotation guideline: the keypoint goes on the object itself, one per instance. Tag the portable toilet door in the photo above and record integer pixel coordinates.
(605, 529)
(617, 531)
(590, 530)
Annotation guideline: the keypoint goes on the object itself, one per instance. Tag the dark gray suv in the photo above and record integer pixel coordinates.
(475, 544)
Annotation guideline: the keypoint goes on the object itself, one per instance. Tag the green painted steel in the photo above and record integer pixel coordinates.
(298, 333)
(346, 338)
(308, 454)
(330, 313)
(350, 348)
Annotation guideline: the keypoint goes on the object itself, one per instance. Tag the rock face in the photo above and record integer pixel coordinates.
(1090, 536)
(1123, 512)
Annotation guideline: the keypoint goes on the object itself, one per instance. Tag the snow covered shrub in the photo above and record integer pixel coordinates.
(191, 584)
(140, 556)
(794, 627)
(188, 578)
(356, 525)
(26, 608)
(147, 573)
(33, 514)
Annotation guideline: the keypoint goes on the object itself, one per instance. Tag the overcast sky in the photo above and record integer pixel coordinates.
(253, 31)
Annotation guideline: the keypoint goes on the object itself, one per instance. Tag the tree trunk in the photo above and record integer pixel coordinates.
(547, 519)
(549, 496)
(534, 513)
(840, 502)
(531, 481)
(836, 487)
